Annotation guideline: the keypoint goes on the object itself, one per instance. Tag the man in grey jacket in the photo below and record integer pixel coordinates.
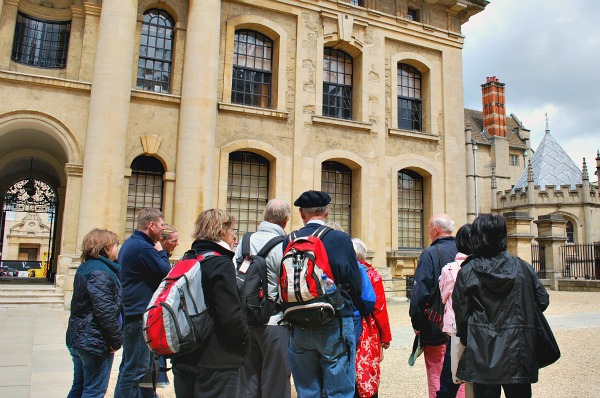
(266, 371)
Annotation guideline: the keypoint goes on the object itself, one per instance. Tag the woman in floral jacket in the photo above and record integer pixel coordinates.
(376, 334)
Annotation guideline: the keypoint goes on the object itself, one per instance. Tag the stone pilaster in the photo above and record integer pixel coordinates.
(196, 152)
(551, 234)
(8, 21)
(519, 234)
(105, 143)
(470, 174)
(75, 43)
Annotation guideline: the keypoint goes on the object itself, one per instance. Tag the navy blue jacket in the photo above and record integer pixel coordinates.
(96, 308)
(142, 270)
(427, 275)
(342, 259)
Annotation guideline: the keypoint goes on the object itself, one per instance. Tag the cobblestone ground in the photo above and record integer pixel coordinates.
(574, 375)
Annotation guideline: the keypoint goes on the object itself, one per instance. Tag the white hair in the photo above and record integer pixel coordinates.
(360, 248)
(443, 222)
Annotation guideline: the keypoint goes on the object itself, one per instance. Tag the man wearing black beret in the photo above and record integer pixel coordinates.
(323, 363)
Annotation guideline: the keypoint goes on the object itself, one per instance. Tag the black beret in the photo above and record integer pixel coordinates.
(313, 199)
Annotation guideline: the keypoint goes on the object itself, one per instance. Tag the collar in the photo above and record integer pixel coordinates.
(320, 222)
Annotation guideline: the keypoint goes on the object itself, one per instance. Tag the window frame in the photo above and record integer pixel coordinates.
(169, 36)
(403, 241)
(41, 44)
(147, 168)
(342, 177)
(416, 124)
(345, 91)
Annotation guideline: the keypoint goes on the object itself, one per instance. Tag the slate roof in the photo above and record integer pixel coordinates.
(475, 118)
(551, 166)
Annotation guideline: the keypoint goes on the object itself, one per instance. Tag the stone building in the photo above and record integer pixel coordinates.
(188, 105)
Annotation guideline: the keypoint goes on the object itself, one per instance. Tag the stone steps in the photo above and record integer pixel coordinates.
(30, 295)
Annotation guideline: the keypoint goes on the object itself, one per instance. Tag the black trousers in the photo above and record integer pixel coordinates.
(447, 387)
(510, 390)
(194, 382)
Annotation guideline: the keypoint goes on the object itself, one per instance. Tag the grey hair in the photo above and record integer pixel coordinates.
(334, 225)
(277, 211)
(443, 222)
(360, 248)
(315, 211)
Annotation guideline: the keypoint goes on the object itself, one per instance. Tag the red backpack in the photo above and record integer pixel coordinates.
(302, 283)
(177, 319)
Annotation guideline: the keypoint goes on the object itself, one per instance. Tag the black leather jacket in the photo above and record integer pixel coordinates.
(96, 308)
(493, 303)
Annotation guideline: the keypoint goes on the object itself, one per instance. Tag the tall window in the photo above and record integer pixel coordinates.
(410, 209)
(514, 160)
(570, 230)
(252, 69)
(336, 180)
(337, 84)
(409, 98)
(247, 190)
(145, 189)
(40, 43)
(156, 52)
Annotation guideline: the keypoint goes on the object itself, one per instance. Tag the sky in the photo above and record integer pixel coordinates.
(547, 52)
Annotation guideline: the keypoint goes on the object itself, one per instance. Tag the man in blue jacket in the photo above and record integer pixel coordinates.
(322, 363)
(441, 252)
(144, 264)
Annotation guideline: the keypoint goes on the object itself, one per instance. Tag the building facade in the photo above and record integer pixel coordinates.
(188, 105)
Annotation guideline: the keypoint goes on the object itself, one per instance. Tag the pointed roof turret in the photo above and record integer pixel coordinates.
(551, 166)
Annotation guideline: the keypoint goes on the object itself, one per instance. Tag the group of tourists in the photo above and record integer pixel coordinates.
(488, 338)
(113, 287)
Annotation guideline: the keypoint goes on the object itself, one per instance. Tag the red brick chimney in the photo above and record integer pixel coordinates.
(494, 112)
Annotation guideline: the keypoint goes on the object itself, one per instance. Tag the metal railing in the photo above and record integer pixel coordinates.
(581, 260)
(538, 261)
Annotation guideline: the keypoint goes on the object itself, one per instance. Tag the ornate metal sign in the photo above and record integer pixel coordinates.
(30, 195)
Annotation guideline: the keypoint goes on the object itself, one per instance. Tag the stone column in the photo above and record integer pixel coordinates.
(8, 21)
(470, 175)
(68, 260)
(551, 234)
(106, 138)
(197, 156)
(519, 234)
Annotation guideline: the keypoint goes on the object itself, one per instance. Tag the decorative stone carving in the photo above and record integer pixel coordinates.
(150, 143)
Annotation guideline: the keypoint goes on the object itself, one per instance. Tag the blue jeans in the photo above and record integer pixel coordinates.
(90, 375)
(136, 362)
(322, 362)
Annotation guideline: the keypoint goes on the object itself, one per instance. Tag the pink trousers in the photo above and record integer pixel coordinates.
(434, 361)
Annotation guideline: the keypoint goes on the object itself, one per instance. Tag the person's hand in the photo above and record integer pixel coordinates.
(158, 246)
(416, 331)
(113, 350)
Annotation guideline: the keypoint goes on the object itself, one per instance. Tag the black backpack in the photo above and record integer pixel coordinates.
(252, 282)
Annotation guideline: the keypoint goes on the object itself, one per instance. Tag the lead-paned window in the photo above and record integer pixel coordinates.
(156, 52)
(247, 190)
(41, 43)
(337, 84)
(145, 189)
(409, 98)
(410, 210)
(336, 180)
(252, 69)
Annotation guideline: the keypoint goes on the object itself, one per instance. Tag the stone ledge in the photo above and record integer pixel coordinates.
(45, 81)
(225, 107)
(332, 121)
(413, 134)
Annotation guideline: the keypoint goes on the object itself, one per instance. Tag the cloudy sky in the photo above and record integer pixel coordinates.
(547, 52)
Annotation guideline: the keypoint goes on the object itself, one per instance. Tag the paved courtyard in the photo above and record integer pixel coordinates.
(34, 361)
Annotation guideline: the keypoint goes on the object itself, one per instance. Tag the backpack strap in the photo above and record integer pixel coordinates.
(268, 246)
(321, 231)
(246, 244)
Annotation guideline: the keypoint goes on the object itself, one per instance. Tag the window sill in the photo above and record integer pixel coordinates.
(414, 134)
(251, 110)
(152, 96)
(332, 121)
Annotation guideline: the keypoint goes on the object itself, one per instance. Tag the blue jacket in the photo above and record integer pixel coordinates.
(427, 275)
(94, 324)
(342, 259)
(142, 270)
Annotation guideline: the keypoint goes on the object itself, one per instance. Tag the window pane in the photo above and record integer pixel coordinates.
(336, 179)
(156, 55)
(247, 190)
(251, 80)
(145, 189)
(337, 84)
(410, 209)
(409, 98)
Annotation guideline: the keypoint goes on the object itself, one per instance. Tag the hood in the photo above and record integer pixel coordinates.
(266, 226)
(498, 273)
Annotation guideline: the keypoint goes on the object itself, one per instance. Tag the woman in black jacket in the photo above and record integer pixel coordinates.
(493, 302)
(94, 331)
(212, 370)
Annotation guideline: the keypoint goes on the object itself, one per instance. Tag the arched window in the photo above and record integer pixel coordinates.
(252, 69)
(41, 43)
(336, 180)
(410, 209)
(247, 190)
(570, 230)
(156, 52)
(409, 98)
(337, 84)
(145, 189)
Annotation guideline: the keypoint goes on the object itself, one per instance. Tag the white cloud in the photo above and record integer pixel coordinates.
(547, 53)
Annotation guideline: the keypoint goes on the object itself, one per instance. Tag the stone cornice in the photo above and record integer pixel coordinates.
(331, 121)
(413, 134)
(45, 81)
(74, 169)
(226, 107)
